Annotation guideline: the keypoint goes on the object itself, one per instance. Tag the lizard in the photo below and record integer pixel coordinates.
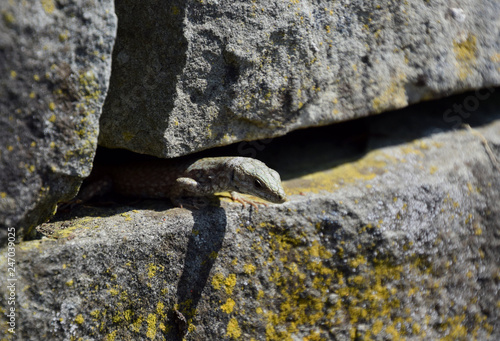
(172, 179)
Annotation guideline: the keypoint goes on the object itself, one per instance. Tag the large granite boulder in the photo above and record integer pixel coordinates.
(402, 241)
(55, 64)
(190, 75)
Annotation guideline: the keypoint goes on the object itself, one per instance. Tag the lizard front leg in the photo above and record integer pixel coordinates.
(188, 187)
(192, 187)
(235, 196)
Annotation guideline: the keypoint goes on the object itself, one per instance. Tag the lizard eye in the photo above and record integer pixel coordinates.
(258, 184)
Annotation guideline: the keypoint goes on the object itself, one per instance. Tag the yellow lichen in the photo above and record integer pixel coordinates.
(160, 307)
(465, 55)
(127, 136)
(455, 329)
(136, 326)
(230, 282)
(111, 336)
(8, 17)
(217, 281)
(79, 319)
(233, 329)
(151, 332)
(151, 270)
(63, 36)
(249, 269)
(89, 88)
(495, 58)
(416, 329)
(228, 306)
(117, 318)
(393, 97)
(127, 314)
(48, 6)
(332, 179)
(377, 327)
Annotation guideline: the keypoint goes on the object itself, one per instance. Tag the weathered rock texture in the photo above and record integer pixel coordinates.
(401, 242)
(189, 75)
(55, 58)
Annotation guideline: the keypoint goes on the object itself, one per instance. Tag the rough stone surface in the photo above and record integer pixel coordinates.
(400, 242)
(190, 75)
(55, 64)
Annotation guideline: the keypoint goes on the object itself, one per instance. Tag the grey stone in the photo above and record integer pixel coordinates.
(189, 76)
(402, 241)
(55, 58)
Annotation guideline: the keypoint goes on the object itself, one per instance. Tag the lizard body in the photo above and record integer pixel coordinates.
(171, 179)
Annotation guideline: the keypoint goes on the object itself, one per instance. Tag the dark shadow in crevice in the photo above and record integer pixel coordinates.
(312, 150)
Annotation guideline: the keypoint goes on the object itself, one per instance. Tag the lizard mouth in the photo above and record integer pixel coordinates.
(277, 198)
(282, 200)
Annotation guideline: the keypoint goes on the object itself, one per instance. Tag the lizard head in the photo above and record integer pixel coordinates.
(251, 176)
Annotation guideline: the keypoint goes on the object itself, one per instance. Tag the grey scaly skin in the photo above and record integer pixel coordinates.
(172, 179)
